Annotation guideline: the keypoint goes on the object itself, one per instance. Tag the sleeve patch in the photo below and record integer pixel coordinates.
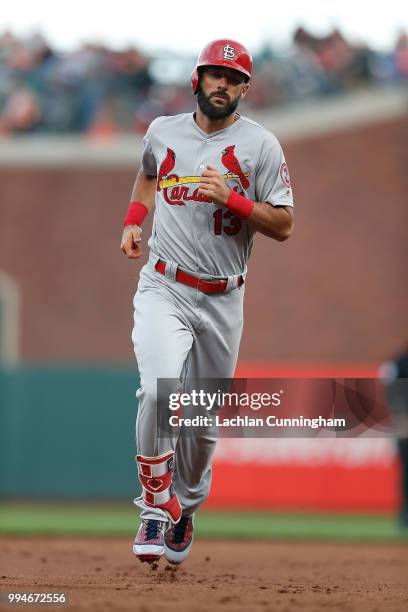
(284, 173)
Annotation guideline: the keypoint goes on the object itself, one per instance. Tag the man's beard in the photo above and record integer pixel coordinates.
(215, 112)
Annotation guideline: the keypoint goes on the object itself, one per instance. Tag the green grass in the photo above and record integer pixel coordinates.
(122, 520)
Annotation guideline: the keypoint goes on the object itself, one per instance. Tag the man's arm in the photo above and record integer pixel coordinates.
(143, 191)
(273, 221)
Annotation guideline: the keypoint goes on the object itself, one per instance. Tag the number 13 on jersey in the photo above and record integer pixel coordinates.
(225, 221)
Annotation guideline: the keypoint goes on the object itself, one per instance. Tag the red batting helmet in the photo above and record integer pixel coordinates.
(224, 52)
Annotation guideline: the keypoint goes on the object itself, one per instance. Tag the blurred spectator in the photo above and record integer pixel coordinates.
(97, 91)
(21, 112)
(344, 64)
(401, 54)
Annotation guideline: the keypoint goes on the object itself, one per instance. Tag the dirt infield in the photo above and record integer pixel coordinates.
(102, 574)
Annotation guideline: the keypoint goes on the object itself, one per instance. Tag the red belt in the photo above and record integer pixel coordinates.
(208, 286)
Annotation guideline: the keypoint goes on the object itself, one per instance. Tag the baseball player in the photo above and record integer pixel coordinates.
(395, 375)
(213, 179)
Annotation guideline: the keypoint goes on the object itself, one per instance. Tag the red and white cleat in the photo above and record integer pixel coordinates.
(149, 541)
(178, 540)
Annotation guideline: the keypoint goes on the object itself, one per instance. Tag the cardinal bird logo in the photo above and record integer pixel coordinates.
(167, 166)
(232, 165)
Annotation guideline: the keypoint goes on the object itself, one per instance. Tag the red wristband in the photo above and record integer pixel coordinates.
(239, 204)
(136, 214)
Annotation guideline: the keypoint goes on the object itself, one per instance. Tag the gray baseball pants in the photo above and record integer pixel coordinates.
(181, 333)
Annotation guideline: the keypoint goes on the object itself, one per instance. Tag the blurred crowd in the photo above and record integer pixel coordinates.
(100, 91)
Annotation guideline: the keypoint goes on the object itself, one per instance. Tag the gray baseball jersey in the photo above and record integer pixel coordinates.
(181, 333)
(189, 229)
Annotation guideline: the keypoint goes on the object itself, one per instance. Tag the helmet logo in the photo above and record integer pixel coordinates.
(229, 52)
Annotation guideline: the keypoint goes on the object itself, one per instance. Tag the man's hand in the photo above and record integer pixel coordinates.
(213, 186)
(131, 239)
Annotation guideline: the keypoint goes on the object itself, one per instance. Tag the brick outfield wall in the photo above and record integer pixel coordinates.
(336, 291)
